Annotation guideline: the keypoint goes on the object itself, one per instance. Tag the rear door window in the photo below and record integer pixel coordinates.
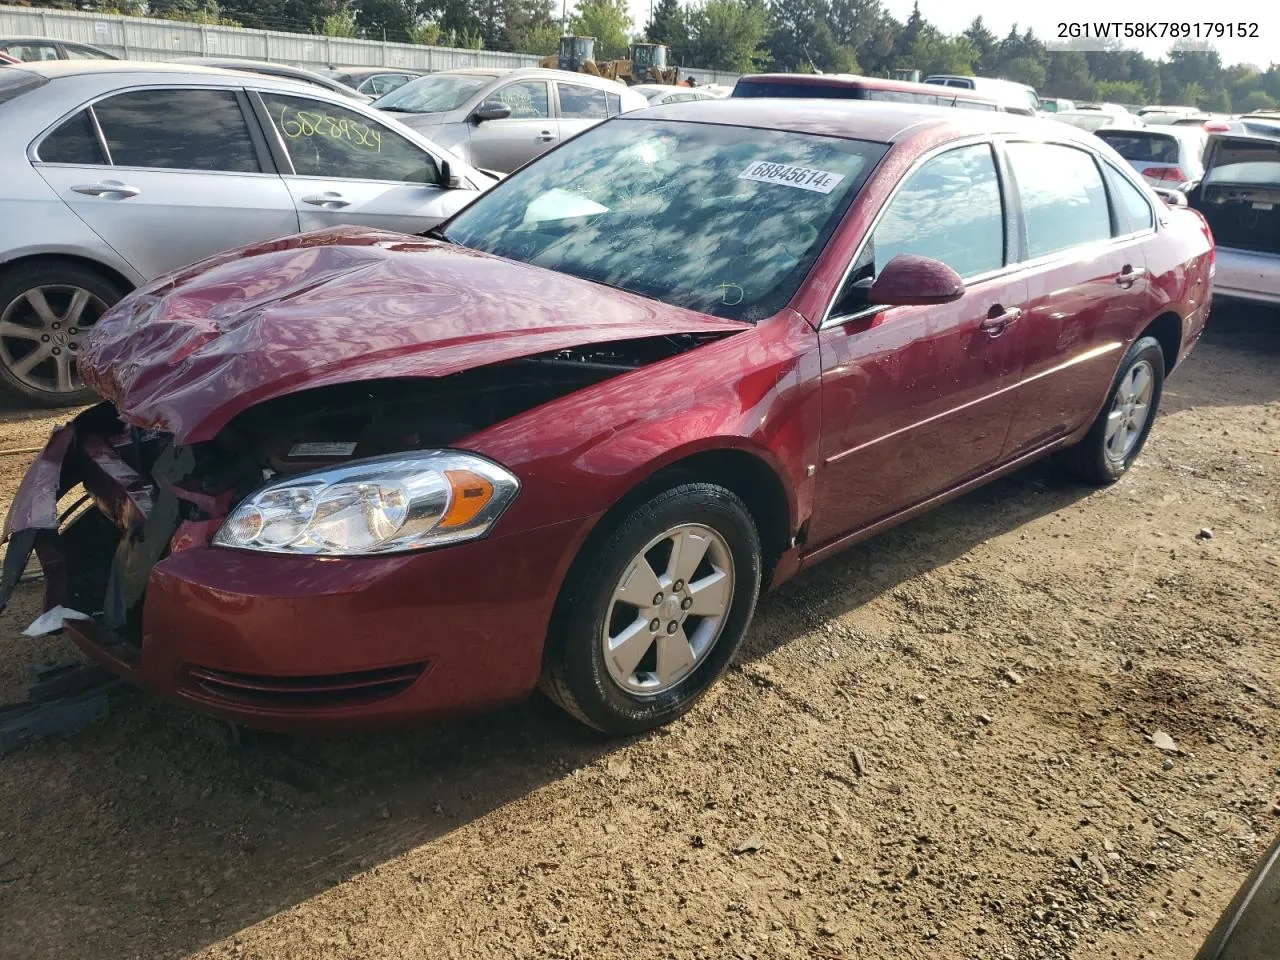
(578, 102)
(1064, 203)
(177, 130)
(74, 141)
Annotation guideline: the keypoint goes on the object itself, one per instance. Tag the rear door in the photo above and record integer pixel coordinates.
(343, 167)
(177, 175)
(581, 107)
(531, 129)
(1088, 287)
(916, 399)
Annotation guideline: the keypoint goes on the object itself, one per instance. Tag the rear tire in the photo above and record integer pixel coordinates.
(687, 561)
(47, 308)
(1122, 427)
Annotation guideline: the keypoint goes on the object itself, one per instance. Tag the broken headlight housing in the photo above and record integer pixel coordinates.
(405, 501)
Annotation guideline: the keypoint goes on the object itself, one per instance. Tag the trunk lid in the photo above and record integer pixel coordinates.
(187, 353)
(1240, 193)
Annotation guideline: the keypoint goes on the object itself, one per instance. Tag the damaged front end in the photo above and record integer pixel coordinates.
(106, 500)
(128, 502)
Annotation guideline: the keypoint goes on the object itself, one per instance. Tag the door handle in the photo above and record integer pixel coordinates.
(546, 136)
(999, 320)
(1129, 275)
(330, 199)
(104, 187)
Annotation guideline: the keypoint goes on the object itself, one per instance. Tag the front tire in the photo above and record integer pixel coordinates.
(1121, 429)
(651, 615)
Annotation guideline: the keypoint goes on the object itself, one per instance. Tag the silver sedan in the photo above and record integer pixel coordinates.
(112, 174)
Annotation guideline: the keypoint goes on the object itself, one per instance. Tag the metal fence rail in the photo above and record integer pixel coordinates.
(141, 38)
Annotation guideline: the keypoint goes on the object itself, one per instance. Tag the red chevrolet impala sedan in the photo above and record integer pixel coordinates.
(564, 441)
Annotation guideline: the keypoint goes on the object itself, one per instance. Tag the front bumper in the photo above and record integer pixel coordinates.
(285, 642)
(1247, 275)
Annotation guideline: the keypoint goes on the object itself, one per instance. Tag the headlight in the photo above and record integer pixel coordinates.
(389, 504)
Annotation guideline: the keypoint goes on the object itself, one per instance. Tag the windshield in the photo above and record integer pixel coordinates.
(708, 217)
(436, 94)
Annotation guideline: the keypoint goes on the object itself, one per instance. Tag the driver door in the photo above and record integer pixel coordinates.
(916, 399)
(505, 144)
(350, 169)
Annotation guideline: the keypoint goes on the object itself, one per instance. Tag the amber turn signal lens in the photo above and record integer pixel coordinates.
(471, 492)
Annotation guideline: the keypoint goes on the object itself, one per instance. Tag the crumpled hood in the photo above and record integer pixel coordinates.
(190, 351)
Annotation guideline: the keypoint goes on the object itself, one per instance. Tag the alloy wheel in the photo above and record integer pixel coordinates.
(42, 331)
(1129, 411)
(668, 609)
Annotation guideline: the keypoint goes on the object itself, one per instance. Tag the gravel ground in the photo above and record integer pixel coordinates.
(940, 744)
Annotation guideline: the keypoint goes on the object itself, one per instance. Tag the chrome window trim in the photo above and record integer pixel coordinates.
(33, 148)
(1069, 254)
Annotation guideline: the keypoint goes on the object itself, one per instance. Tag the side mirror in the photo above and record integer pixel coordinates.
(1174, 198)
(448, 179)
(907, 280)
(491, 110)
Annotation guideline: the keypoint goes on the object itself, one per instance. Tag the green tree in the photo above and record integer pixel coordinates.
(1028, 70)
(542, 39)
(340, 23)
(1067, 75)
(1256, 100)
(985, 43)
(608, 21)
(1119, 91)
(728, 35)
(863, 30)
(425, 32)
(668, 24)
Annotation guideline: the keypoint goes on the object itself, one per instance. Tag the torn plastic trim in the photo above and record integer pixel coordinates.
(144, 509)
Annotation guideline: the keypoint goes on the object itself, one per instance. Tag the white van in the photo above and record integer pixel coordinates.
(1017, 97)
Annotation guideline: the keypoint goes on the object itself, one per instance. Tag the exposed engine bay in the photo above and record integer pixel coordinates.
(320, 427)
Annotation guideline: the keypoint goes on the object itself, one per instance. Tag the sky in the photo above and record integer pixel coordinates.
(952, 16)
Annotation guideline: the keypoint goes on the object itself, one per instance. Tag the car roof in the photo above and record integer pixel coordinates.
(477, 71)
(853, 119)
(53, 69)
(371, 71)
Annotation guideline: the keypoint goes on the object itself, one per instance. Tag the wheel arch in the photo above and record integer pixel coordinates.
(108, 272)
(1167, 331)
(747, 472)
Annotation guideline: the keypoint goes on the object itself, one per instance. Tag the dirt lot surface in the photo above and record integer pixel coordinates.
(936, 745)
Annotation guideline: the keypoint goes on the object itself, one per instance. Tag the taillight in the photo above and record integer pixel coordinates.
(1165, 174)
(1216, 126)
(1213, 246)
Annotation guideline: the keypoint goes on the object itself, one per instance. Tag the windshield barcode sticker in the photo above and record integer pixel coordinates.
(804, 178)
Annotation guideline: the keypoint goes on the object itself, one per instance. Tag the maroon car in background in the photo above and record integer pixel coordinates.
(353, 477)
